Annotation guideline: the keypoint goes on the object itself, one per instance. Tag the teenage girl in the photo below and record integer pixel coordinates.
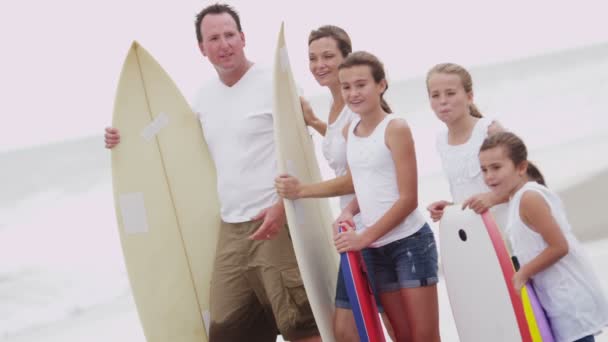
(382, 160)
(450, 90)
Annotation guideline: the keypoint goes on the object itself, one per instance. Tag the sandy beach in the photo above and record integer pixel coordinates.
(118, 320)
(585, 203)
(121, 323)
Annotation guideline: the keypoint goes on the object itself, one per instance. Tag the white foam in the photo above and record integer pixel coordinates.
(60, 259)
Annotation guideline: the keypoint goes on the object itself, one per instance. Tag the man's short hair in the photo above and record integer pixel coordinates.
(215, 9)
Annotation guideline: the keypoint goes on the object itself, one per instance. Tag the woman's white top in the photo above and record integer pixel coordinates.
(334, 147)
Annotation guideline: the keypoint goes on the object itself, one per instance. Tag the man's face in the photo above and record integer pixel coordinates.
(222, 42)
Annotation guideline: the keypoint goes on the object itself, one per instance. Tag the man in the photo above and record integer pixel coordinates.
(256, 288)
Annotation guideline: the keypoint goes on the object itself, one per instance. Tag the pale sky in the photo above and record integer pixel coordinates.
(61, 59)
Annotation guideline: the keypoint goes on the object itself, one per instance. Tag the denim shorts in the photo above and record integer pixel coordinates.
(342, 300)
(407, 263)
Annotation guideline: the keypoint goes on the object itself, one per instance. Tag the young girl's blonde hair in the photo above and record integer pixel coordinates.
(465, 78)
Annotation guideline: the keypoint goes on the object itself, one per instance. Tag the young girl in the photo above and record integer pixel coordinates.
(327, 47)
(450, 90)
(543, 241)
(381, 157)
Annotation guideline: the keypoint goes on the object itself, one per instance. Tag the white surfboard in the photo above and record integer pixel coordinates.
(309, 219)
(481, 301)
(166, 202)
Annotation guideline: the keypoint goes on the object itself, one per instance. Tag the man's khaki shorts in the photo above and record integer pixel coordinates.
(256, 288)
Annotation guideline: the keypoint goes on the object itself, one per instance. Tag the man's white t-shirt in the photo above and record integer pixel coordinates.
(237, 124)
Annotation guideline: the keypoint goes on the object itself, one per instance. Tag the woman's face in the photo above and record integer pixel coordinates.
(324, 58)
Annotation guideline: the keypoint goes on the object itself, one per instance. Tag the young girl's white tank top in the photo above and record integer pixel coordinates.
(375, 180)
(461, 167)
(568, 290)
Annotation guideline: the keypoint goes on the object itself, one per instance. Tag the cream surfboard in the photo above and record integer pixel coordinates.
(166, 202)
(309, 219)
(484, 306)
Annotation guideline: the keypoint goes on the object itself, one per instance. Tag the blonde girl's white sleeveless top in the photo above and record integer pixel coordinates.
(375, 180)
(461, 167)
(568, 290)
(334, 147)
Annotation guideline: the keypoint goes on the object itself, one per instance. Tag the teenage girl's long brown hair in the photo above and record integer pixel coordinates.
(377, 69)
